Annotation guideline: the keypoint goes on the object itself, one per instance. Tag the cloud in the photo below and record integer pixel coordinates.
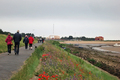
(70, 17)
(74, 9)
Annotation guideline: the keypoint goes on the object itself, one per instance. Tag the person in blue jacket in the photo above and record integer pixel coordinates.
(26, 41)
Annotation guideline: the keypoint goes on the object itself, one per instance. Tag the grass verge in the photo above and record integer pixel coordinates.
(31, 63)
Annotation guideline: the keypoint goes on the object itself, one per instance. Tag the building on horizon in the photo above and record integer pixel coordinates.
(53, 37)
(100, 38)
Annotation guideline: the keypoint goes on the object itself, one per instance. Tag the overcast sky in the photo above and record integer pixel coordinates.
(88, 18)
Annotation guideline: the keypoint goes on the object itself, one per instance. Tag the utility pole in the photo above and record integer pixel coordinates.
(53, 29)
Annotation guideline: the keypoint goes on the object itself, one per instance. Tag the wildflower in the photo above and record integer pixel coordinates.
(39, 75)
(90, 72)
(44, 72)
(60, 60)
(40, 59)
(45, 55)
(56, 75)
(80, 75)
(62, 72)
(53, 76)
(74, 74)
(77, 64)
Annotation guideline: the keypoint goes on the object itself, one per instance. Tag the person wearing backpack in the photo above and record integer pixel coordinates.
(26, 41)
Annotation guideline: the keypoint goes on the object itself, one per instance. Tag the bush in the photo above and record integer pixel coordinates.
(98, 64)
(68, 50)
(75, 52)
(56, 43)
(91, 61)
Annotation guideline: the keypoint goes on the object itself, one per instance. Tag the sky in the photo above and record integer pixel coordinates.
(89, 18)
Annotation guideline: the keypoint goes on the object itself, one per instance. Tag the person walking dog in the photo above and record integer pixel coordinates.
(9, 43)
(17, 38)
(31, 39)
(26, 41)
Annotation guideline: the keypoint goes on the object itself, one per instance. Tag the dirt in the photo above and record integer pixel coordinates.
(91, 42)
(111, 43)
(110, 61)
(111, 48)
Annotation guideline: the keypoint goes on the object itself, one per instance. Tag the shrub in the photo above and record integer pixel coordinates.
(68, 50)
(75, 52)
(98, 64)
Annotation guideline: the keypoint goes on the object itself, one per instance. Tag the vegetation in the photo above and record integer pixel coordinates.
(59, 64)
(78, 38)
(31, 63)
(23, 34)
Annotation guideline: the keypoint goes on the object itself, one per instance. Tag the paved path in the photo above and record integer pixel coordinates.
(11, 63)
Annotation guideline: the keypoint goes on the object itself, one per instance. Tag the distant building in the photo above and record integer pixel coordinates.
(53, 37)
(100, 38)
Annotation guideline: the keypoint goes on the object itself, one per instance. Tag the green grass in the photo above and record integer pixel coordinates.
(88, 67)
(31, 63)
(93, 69)
(3, 44)
(61, 63)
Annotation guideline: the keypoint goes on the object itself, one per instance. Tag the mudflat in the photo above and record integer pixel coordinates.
(97, 42)
(91, 42)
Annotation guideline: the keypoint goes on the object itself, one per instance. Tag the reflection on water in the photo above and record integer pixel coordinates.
(95, 47)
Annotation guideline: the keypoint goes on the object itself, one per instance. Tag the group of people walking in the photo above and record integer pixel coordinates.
(41, 40)
(17, 38)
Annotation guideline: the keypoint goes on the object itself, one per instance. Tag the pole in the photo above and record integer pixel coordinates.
(53, 29)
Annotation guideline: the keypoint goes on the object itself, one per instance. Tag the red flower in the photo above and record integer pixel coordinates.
(56, 75)
(39, 75)
(44, 72)
(77, 64)
(45, 55)
(90, 72)
(53, 76)
(80, 75)
(39, 79)
(74, 74)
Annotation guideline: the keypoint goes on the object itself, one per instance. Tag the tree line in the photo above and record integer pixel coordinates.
(22, 34)
(78, 38)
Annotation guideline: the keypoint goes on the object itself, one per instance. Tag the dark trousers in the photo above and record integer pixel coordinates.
(17, 47)
(9, 48)
(26, 45)
(40, 41)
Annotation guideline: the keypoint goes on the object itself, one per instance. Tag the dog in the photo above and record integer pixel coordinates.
(35, 46)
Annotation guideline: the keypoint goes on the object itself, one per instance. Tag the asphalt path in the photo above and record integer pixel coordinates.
(9, 64)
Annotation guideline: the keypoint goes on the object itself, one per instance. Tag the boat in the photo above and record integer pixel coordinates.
(116, 44)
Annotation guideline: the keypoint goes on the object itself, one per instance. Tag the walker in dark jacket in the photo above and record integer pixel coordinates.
(26, 41)
(17, 38)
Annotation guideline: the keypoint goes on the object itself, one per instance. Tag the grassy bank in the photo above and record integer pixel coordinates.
(87, 66)
(3, 44)
(31, 63)
(56, 63)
